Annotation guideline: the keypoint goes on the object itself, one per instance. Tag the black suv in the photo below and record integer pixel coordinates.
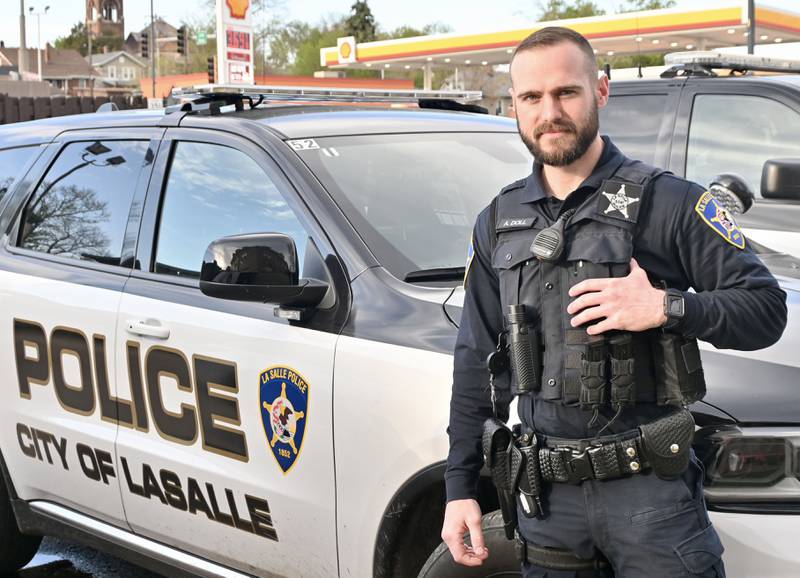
(699, 123)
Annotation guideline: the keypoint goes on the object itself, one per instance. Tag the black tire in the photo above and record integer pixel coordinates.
(502, 561)
(16, 549)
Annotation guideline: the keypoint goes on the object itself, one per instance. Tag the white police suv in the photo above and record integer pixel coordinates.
(227, 334)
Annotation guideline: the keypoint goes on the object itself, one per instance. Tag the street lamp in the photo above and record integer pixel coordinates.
(39, 36)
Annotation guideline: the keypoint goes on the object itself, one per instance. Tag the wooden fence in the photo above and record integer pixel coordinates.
(13, 109)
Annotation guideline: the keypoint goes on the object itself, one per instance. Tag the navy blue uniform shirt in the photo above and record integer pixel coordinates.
(736, 304)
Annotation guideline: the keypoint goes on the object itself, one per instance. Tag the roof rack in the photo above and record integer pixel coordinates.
(703, 63)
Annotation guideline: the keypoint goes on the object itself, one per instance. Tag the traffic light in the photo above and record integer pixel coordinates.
(211, 60)
(183, 40)
(144, 44)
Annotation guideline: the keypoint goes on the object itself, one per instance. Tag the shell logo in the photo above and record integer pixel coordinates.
(238, 8)
(347, 49)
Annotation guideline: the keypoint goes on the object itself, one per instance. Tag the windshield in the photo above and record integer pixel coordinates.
(414, 197)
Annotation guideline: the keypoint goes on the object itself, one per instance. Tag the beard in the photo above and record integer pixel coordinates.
(570, 146)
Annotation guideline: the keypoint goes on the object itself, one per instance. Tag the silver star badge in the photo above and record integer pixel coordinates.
(619, 201)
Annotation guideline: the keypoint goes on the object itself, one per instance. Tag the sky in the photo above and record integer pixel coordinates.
(462, 16)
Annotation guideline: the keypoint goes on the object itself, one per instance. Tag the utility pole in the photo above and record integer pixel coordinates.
(39, 38)
(23, 49)
(751, 18)
(89, 51)
(153, 50)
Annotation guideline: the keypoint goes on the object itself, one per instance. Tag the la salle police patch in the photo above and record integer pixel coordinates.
(719, 219)
(284, 411)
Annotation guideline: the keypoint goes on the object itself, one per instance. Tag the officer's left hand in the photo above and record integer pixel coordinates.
(628, 303)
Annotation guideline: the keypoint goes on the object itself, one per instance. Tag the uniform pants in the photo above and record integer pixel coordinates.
(646, 527)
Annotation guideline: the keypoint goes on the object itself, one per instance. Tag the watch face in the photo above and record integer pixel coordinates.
(675, 305)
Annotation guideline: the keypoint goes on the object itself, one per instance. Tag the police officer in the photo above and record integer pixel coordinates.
(601, 251)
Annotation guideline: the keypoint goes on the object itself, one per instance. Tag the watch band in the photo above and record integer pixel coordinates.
(674, 308)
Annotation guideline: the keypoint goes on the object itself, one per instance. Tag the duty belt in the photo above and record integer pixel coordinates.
(663, 445)
(520, 465)
(574, 461)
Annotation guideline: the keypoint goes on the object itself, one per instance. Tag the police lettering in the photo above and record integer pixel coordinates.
(283, 373)
(96, 464)
(36, 444)
(40, 360)
(167, 488)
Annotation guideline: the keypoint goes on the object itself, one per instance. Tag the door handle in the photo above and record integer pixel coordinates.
(148, 328)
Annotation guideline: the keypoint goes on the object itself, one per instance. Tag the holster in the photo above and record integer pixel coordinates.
(530, 483)
(504, 461)
(679, 370)
(667, 443)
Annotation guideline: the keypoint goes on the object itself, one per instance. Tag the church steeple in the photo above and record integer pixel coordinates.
(105, 18)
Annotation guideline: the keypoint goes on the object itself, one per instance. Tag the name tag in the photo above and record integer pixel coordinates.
(512, 224)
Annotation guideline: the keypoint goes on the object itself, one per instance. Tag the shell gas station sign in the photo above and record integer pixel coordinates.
(235, 58)
(347, 49)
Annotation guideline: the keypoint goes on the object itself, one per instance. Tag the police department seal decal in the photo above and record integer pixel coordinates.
(284, 410)
(718, 218)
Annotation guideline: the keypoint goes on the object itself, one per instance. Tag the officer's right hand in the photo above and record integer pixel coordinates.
(461, 516)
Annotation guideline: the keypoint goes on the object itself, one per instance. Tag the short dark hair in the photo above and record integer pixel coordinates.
(552, 35)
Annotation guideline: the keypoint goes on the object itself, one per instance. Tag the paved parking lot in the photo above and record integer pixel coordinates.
(58, 559)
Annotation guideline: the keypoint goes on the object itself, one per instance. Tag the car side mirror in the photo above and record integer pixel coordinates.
(258, 267)
(780, 179)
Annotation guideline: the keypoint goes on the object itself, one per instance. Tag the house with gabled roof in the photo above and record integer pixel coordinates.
(65, 69)
(119, 71)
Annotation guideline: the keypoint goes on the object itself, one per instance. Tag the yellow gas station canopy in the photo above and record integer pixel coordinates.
(649, 31)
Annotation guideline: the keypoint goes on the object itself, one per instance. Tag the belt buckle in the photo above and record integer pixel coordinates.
(579, 468)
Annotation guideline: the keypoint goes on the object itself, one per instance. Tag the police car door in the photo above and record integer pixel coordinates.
(231, 454)
(63, 265)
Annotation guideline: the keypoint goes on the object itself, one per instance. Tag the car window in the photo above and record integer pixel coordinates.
(737, 134)
(13, 164)
(80, 209)
(414, 197)
(214, 191)
(633, 123)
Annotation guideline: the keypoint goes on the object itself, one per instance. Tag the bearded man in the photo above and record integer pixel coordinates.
(584, 268)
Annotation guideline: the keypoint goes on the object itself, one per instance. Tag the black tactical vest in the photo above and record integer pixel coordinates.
(579, 369)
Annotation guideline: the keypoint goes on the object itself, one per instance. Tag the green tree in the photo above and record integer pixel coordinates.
(284, 40)
(638, 5)
(361, 22)
(563, 9)
(77, 40)
(294, 46)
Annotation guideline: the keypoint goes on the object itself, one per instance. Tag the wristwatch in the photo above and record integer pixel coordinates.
(674, 308)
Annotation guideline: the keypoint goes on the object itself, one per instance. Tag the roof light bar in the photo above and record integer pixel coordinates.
(708, 59)
(316, 93)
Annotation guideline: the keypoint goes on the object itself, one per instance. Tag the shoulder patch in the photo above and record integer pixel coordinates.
(719, 219)
(470, 255)
(515, 185)
(620, 200)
